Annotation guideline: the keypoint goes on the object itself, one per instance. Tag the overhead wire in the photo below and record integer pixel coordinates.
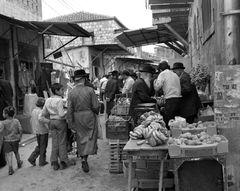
(68, 5)
(51, 7)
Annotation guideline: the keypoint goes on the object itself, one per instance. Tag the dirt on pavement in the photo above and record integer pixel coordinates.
(30, 178)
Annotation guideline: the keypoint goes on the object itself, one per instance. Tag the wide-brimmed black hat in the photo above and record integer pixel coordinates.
(80, 74)
(178, 65)
(114, 73)
(148, 69)
(163, 65)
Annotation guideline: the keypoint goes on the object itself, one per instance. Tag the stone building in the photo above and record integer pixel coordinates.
(95, 54)
(22, 9)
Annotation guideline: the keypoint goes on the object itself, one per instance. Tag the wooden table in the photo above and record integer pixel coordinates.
(144, 150)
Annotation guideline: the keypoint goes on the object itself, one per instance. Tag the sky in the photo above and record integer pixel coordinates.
(132, 13)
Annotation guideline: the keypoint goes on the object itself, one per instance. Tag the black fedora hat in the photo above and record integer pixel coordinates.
(80, 74)
(178, 65)
(148, 69)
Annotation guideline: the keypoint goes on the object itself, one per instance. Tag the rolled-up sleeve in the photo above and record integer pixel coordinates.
(158, 84)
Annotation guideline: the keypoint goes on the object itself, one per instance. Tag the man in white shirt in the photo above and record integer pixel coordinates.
(102, 89)
(129, 81)
(170, 84)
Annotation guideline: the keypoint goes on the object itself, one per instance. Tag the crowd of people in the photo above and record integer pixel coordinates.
(173, 84)
(79, 113)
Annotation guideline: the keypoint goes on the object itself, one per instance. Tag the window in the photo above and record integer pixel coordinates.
(206, 14)
(207, 19)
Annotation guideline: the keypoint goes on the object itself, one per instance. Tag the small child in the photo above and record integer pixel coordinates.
(12, 134)
(54, 107)
(40, 126)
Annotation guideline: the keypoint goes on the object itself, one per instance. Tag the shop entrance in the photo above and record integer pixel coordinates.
(4, 58)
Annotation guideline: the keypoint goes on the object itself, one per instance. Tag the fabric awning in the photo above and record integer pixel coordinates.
(151, 35)
(50, 28)
(111, 48)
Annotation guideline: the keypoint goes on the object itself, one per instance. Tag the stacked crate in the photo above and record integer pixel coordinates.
(117, 131)
(145, 173)
(116, 155)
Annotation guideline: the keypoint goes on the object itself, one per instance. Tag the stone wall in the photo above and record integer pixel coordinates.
(104, 33)
(22, 9)
(203, 45)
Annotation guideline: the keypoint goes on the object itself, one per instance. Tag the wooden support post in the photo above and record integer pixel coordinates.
(130, 160)
(13, 49)
(178, 36)
(160, 184)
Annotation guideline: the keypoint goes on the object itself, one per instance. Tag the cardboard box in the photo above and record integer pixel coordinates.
(182, 151)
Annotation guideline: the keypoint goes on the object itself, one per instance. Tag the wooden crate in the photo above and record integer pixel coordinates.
(116, 155)
(118, 129)
(145, 173)
(209, 127)
(184, 151)
(120, 109)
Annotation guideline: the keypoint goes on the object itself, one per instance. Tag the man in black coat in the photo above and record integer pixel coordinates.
(6, 96)
(112, 88)
(190, 102)
(142, 91)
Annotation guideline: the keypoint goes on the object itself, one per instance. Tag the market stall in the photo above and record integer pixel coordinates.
(187, 146)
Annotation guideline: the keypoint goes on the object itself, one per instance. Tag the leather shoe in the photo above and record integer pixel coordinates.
(55, 165)
(43, 164)
(32, 162)
(63, 165)
(10, 171)
(85, 166)
(19, 164)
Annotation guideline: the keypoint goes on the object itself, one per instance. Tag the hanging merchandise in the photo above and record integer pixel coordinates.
(24, 78)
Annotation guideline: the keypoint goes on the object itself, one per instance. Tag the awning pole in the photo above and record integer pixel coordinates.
(179, 37)
(60, 47)
(174, 48)
(5, 32)
(99, 54)
(61, 63)
(66, 52)
(33, 39)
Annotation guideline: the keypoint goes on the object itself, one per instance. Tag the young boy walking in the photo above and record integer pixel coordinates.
(12, 131)
(40, 127)
(54, 107)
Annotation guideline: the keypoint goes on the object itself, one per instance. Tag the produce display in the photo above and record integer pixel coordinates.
(152, 129)
(123, 101)
(199, 139)
(186, 126)
(115, 118)
(151, 115)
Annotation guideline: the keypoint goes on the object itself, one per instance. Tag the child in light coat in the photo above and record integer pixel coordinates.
(54, 107)
(40, 127)
(12, 134)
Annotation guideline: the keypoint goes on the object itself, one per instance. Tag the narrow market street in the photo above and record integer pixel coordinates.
(140, 95)
(45, 178)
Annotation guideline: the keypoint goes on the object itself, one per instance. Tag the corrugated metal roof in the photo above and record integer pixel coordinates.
(51, 28)
(151, 35)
